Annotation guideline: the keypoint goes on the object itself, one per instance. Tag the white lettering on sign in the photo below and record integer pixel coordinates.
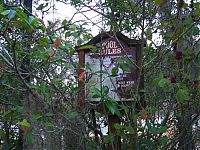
(110, 47)
(111, 44)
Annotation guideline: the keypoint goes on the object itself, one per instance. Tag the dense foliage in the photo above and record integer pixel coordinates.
(39, 78)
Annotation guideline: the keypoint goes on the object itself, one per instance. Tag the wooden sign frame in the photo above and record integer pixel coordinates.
(130, 43)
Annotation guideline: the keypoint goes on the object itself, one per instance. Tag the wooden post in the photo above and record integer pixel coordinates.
(81, 78)
(116, 145)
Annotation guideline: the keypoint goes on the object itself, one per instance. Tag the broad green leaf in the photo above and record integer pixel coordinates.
(163, 140)
(24, 123)
(37, 116)
(48, 125)
(64, 22)
(195, 31)
(88, 66)
(71, 51)
(29, 137)
(5, 12)
(105, 90)
(188, 21)
(114, 71)
(49, 114)
(108, 139)
(41, 6)
(75, 90)
(156, 80)
(163, 82)
(125, 67)
(112, 106)
(182, 95)
(57, 80)
(43, 41)
(158, 130)
(7, 113)
(129, 129)
(1, 8)
(11, 14)
(118, 126)
(158, 2)
(19, 109)
(30, 19)
(72, 115)
(162, 129)
(96, 92)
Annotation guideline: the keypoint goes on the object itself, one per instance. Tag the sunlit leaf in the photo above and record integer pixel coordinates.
(24, 123)
(11, 14)
(5, 12)
(164, 82)
(182, 95)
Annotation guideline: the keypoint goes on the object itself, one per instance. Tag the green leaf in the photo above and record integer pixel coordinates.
(91, 47)
(158, 2)
(5, 12)
(129, 129)
(11, 14)
(24, 123)
(125, 67)
(163, 140)
(71, 51)
(64, 22)
(43, 41)
(48, 125)
(112, 106)
(156, 80)
(108, 139)
(162, 129)
(57, 80)
(41, 6)
(96, 92)
(30, 19)
(195, 31)
(88, 66)
(1, 8)
(105, 90)
(114, 71)
(149, 33)
(118, 126)
(158, 130)
(19, 109)
(163, 82)
(188, 21)
(75, 90)
(29, 137)
(37, 117)
(182, 95)
(72, 115)
(49, 114)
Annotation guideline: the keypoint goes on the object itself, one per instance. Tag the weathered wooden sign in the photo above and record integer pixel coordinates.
(109, 65)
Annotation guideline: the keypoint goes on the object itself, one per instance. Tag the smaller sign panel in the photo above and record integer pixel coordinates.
(112, 66)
